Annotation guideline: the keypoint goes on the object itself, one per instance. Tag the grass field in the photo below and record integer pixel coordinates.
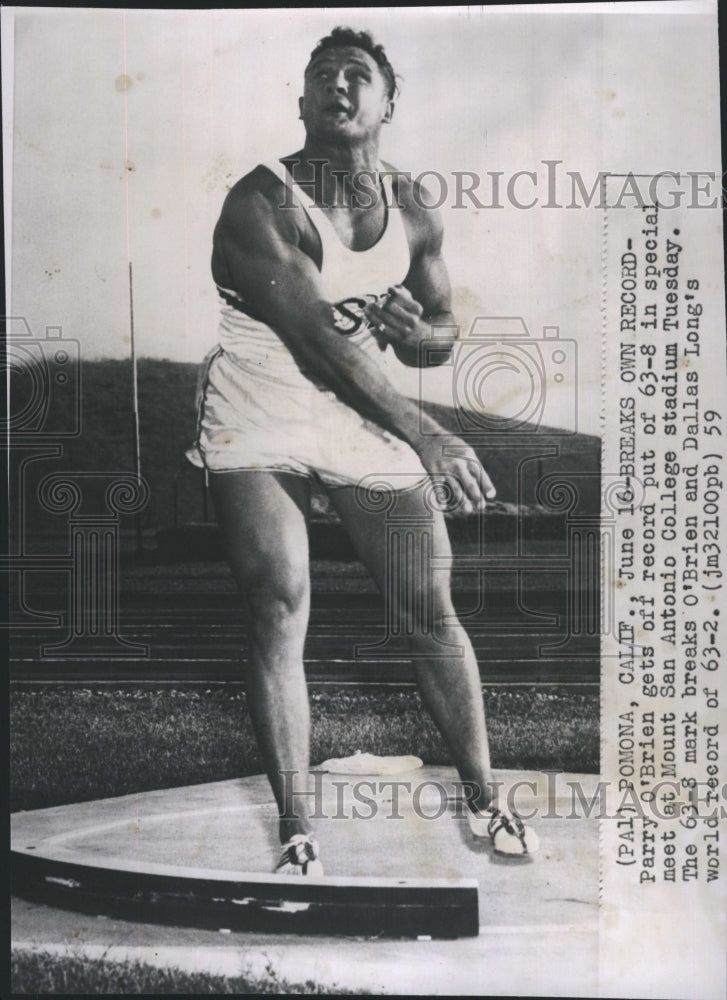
(39, 973)
(75, 744)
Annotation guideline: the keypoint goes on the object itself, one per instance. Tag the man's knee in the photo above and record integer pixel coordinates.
(276, 595)
(422, 611)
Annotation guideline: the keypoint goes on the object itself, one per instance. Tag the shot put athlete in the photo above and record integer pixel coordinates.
(322, 260)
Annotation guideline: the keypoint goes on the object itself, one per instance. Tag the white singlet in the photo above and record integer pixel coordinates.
(257, 409)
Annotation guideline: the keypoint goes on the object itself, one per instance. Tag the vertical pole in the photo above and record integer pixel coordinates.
(135, 396)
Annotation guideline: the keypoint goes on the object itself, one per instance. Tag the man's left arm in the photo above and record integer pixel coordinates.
(419, 310)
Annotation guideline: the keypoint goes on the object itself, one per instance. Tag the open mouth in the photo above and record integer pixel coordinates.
(338, 108)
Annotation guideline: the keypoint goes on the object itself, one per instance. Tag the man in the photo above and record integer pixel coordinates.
(322, 261)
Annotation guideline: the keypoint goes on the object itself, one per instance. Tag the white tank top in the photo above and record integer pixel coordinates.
(350, 278)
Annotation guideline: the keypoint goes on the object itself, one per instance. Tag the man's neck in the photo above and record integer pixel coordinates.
(327, 170)
(347, 157)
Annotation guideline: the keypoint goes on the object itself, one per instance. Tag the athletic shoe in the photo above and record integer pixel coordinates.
(509, 834)
(299, 856)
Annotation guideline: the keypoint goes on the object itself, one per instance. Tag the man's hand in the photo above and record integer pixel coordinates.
(452, 462)
(399, 321)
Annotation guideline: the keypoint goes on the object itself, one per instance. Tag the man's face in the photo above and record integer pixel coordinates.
(345, 95)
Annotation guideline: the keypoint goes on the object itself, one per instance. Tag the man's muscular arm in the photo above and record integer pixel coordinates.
(420, 309)
(258, 241)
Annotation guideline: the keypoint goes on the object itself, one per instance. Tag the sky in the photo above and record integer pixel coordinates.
(128, 127)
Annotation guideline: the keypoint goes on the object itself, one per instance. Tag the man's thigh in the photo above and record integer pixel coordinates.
(399, 535)
(263, 517)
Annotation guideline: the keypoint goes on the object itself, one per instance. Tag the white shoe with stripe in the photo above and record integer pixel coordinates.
(508, 833)
(299, 856)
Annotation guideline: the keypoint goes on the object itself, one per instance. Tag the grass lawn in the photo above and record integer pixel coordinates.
(41, 973)
(72, 744)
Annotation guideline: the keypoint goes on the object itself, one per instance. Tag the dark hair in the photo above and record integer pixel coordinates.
(342, 37)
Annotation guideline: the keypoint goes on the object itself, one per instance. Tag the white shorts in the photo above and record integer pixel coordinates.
(249, 420)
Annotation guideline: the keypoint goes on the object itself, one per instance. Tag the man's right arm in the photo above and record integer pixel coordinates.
(259, 244)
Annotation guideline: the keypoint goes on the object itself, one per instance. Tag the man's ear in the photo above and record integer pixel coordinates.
(389, 113)
(300, 108)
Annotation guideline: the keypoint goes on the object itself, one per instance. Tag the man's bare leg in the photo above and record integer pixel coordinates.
(263, 517)
(448, 678)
